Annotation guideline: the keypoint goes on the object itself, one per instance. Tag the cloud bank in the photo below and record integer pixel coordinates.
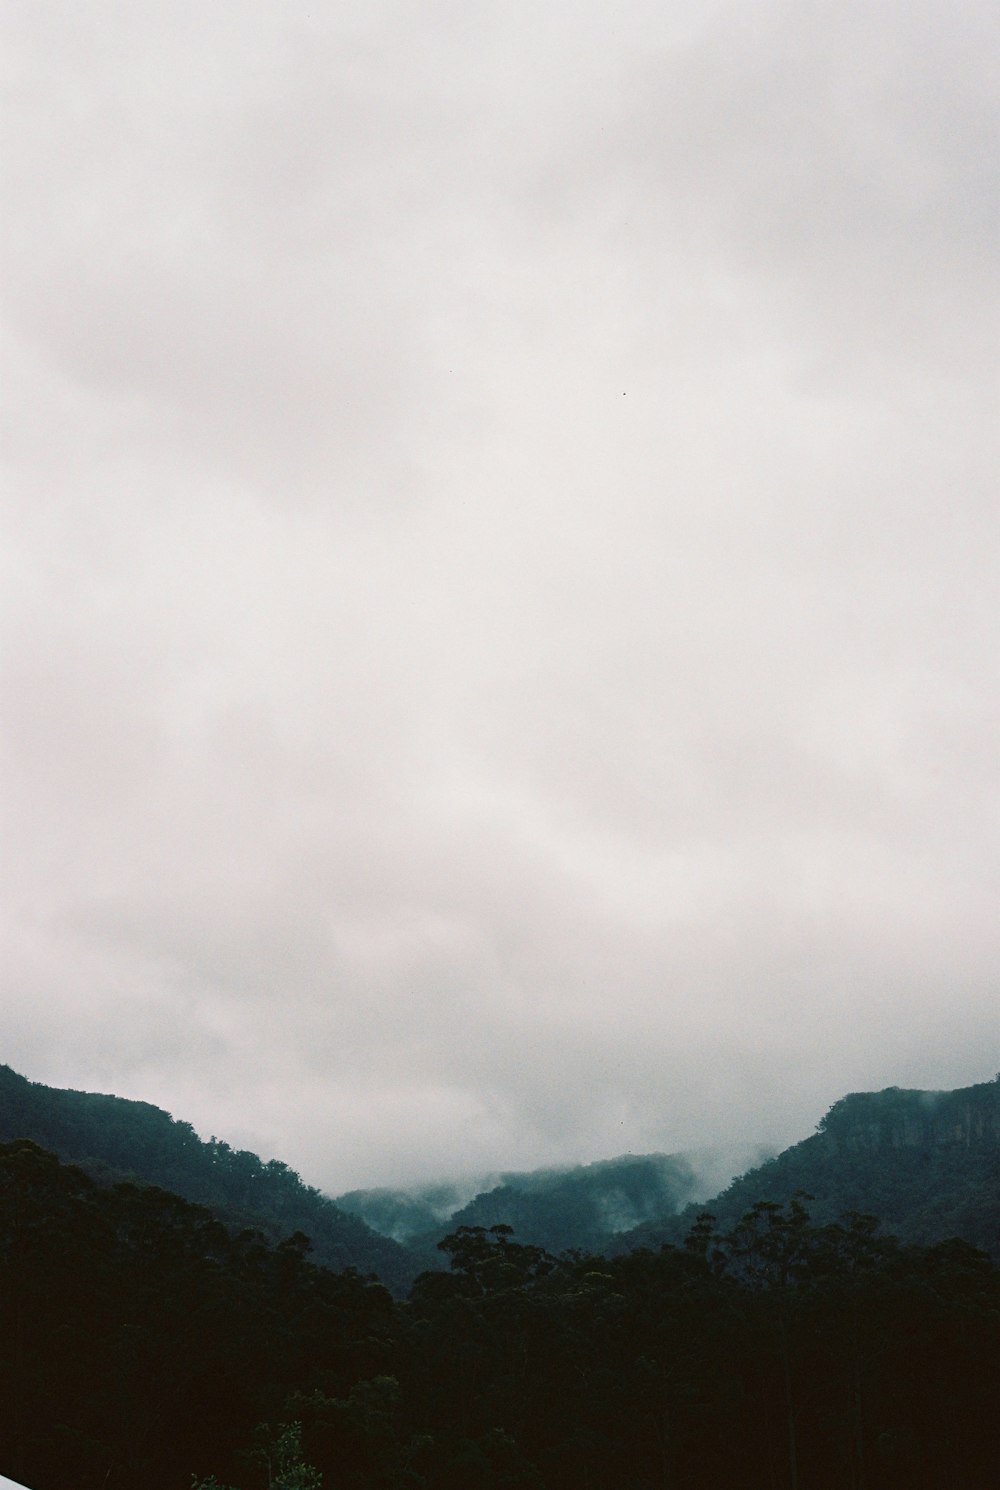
(499, 582)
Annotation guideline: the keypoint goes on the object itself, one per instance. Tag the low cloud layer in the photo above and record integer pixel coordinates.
(499, 579)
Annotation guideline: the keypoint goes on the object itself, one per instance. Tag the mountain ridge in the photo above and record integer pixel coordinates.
(118, 1138)
(926, 1162)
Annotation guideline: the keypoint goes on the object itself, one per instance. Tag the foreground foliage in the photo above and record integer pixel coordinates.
(145, 1344)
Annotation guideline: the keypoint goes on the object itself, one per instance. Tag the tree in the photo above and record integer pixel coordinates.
(279, 1451)
(488, 1261)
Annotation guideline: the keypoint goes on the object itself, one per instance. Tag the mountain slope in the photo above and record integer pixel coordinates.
(580, 1208)
(114, 1138)
(402, 1214)
(585, 1206)
(926, 1163)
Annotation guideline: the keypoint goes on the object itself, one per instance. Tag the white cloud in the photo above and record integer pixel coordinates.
(499, 603)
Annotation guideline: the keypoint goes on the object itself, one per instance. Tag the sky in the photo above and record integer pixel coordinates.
(499, 577)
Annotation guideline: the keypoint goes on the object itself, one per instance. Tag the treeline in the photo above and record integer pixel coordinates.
(144, 1344)
(926, 1162)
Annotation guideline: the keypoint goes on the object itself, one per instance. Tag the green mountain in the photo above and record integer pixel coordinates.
(114, 1139)
(403, 1214)
(579, 1208)
(585, 1206)
(927, 1163)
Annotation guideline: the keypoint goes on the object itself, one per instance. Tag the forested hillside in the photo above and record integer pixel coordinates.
(586, 1206)
(113, 1138)
(142, 1338)
(582, 1207)
(144, 1344)
(927, 1163)
(403, 1214)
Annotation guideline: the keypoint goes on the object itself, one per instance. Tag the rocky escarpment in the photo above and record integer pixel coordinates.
(926, 1163)
(900, 1119)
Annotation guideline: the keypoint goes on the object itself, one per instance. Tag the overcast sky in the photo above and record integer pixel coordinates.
(500, 575)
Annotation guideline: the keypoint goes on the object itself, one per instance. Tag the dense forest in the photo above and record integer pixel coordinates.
(786, 1342)
(145, 1344)
(927, 1163)
(584, 1206)
(112, 1138)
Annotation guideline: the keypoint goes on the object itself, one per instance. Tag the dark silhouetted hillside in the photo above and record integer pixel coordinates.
(113, 1138)
(927, 1163)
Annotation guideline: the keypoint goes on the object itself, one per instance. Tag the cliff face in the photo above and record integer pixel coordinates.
(926, 1163)
(866, 1122)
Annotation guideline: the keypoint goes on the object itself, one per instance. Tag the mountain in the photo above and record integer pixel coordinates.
(403, 1214)
(114, 1139)
(585, 1206)
(926, 1163)
(560, 1209)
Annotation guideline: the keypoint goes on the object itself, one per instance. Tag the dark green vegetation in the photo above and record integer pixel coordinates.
(584, 1206)
(927, 1163)
(142, 1340)
(402, 1214)
(144, 1344)
(116, 1139)
(787, 1344)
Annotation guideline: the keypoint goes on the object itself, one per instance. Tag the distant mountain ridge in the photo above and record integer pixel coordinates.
(115, 1138)
(926, 1163)
(581, 1207)
(586, 1206)
(403, 1214)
